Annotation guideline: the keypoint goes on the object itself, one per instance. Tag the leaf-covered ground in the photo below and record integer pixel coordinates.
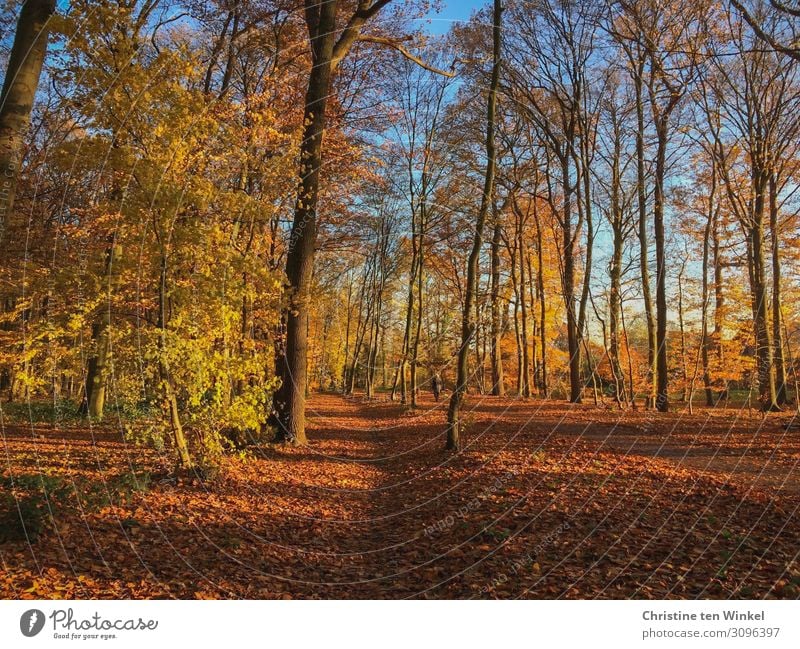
(545, 501)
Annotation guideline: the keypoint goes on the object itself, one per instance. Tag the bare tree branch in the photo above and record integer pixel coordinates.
(762, 34)
(396, 45)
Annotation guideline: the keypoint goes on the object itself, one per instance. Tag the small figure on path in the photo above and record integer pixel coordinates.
(436, 385)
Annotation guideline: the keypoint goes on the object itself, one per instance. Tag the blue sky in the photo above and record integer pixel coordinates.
(452, 10)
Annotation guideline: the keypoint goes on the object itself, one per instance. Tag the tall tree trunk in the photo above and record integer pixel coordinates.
(347, 334)
(403, 369)
(420, 270)
(512, 253)
(615, 270)
(766, 378)
(534, 325)
(467, 325)
(542, 299)
(777, 315)
(290, 400)
(97, 367)
(615, 305)
(719, 293)
(498, 383)
(573, 335)
(662, 369)
(644, 265)
(525, 371)
(19, 90)
(586, 195)
(705, 341)
(682, 328)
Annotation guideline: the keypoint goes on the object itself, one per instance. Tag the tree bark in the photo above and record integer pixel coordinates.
(777, 314)
(498, 383)
(19, 91)
(641, 192)
(766, 378)
(705, 342)
(290, 399)
(170, 398)
(662, 369)
(468, 325)
(544, 386)
(573, 335)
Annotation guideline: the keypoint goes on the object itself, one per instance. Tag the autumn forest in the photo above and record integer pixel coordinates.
(337, 299)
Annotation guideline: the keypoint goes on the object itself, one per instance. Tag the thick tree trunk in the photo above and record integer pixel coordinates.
(98, 365)
(766, 378)
(290, 400)
(468, 325)
(19, 90)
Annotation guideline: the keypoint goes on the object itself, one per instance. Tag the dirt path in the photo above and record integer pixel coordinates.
(544, 501)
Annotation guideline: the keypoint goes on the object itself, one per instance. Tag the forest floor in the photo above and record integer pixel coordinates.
(546, 500)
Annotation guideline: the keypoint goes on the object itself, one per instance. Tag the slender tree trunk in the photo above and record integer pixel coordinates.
(480, 343)
(587, 271)
(573, 335)
(170, 398)
(644, 264)
(498, 384)
(347, 334)
(418, 328)
(403, 369)
(631, 381)
(705, 342)
(467, 325)
(662, 369)
(542, 299)
(777, 311)
(98, 368)
(719, 293)
(682, 327)
(534, 325)
(615, 302)
(517, 330)
(525, 373)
